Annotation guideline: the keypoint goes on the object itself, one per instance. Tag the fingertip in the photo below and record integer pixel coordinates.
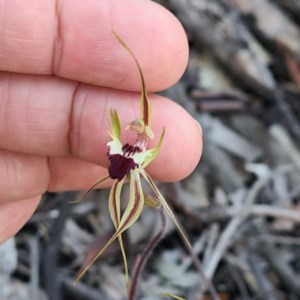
(13, 216)
(73, 39)
(158, 40)
(91, 53)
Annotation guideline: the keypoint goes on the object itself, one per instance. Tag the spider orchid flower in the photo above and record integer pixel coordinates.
(128, 163)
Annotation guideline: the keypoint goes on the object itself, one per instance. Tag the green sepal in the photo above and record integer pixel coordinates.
(115, 145)
(130, 215)
(172, 296)
(115, 129)
(166, 206)
(114, 206)
(151, 153)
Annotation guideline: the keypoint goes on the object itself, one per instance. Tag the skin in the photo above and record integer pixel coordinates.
(61, 71)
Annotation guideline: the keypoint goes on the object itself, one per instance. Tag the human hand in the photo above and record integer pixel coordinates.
(61, 71)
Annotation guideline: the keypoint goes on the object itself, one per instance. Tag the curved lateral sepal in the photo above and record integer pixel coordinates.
(130, 215)
(135, 201)
(172, 296)
(85, 194)
(166, 207)
(114, 204)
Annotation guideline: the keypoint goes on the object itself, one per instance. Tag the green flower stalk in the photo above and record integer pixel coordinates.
(128, 163)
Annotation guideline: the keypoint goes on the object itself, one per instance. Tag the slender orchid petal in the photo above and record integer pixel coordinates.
(166, 207)
(135, 201)
(114, 204)
(94, 185)
(130, 215)
(114, 207)
(116, 234)
(173, 296)
(124, 260)
(146, 114)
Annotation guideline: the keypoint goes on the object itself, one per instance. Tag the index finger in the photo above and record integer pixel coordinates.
(73, 39)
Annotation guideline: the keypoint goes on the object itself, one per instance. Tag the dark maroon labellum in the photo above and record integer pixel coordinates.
(120, 166)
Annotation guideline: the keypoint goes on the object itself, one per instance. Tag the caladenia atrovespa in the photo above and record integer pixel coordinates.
(128, 163)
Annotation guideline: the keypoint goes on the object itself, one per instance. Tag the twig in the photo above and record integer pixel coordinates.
(267, 290)
(289, 117)
(222, 213)
(283, 270)
(283, 240)
(228, 233)
(239, 281)
(207, 283)
(76, 210)
(142, 258)
(213, 234)
(275, 211)
(34, 268)
(80, 290)
(52, 250)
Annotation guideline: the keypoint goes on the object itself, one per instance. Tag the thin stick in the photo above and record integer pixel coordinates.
(142, 258)
(228, 233)
(271, 211)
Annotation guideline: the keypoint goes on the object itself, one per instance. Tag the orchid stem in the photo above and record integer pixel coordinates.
(142, 258)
